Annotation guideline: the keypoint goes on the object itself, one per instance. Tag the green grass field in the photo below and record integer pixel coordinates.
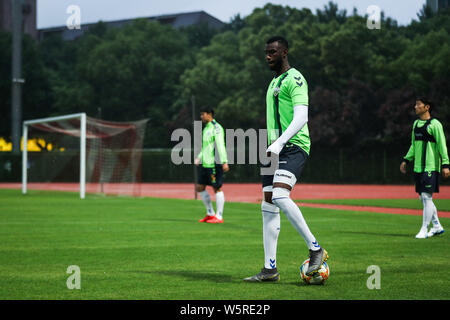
(441, 204)
(145, 248)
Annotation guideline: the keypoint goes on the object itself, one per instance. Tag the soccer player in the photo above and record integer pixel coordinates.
(209, 172)
(429, 151)
(288, 137)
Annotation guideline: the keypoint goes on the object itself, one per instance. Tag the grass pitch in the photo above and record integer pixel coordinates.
(146, 248)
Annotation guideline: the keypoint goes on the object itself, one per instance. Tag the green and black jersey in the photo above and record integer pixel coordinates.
(213, 134)
(286, 91)
(428, 146)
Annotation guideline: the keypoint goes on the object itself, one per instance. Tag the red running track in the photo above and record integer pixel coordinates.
(247, 192)
(252, 192)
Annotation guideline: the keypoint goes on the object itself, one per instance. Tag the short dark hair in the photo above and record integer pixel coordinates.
(279, 39)
(425, 101)
(207, 110)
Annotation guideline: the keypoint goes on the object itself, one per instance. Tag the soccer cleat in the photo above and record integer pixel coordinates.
(316, 259)
(422, 234)
(435, 231)
(206, 218)
(266, 275)
(214, 219)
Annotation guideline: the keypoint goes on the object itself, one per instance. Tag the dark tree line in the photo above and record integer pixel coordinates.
(362, 82)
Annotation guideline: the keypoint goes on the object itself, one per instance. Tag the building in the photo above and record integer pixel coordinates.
(29, 11)
(30, 21)
(437, 5)
(176, 20)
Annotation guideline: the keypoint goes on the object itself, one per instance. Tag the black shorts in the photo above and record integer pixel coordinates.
(292, 158)
(427, 182)
(210, 176)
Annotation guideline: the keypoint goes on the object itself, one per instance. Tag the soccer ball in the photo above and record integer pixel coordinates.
(318, 277)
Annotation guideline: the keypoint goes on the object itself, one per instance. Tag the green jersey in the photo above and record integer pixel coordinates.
(213, 134)
(286, 91)
(428, 147)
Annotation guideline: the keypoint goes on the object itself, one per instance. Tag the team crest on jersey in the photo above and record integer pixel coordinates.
(276, 91)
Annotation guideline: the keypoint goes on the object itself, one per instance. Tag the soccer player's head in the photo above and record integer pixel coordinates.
(423, 105)
(276, 52)
(206, 114)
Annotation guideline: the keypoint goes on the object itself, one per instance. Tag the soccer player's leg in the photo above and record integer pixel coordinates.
(420, 188)
(271, 230)
(431, 214)
(203, 181)
(281, 198)
(291, 165)
(437, 228)
(426, 184)
(217, 182)
(426, 216)
(433, 184)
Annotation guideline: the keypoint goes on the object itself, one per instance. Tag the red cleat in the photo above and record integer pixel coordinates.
(215, 220)
(206, 218)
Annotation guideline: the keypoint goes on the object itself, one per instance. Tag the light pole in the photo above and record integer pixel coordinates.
(17, 80)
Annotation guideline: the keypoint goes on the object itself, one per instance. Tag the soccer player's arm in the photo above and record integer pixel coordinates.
(298, 90)
(438, 133)
(411, 152)
(198, 159)
(219, 138)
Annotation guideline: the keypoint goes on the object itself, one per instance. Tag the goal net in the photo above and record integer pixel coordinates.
(101, 156)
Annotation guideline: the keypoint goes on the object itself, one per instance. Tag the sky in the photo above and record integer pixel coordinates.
(52, 13)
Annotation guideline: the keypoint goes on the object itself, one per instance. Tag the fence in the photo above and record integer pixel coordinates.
(325, 165)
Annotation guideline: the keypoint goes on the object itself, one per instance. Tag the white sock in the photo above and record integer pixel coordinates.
(280, 197)
(271, 230)
(220, 202)
(434, 217)
(207, 202)
(428, 209)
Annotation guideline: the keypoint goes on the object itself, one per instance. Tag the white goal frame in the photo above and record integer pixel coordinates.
(82, 117)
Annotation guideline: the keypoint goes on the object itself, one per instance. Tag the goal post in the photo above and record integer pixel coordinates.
(26, 124)
(103, 156)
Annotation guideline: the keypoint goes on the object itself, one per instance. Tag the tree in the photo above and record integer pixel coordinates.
(128, 74)
(362, 82)
(36, 99)
(199, 35)
(425, 13)
(236, 24)
(331, 12)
